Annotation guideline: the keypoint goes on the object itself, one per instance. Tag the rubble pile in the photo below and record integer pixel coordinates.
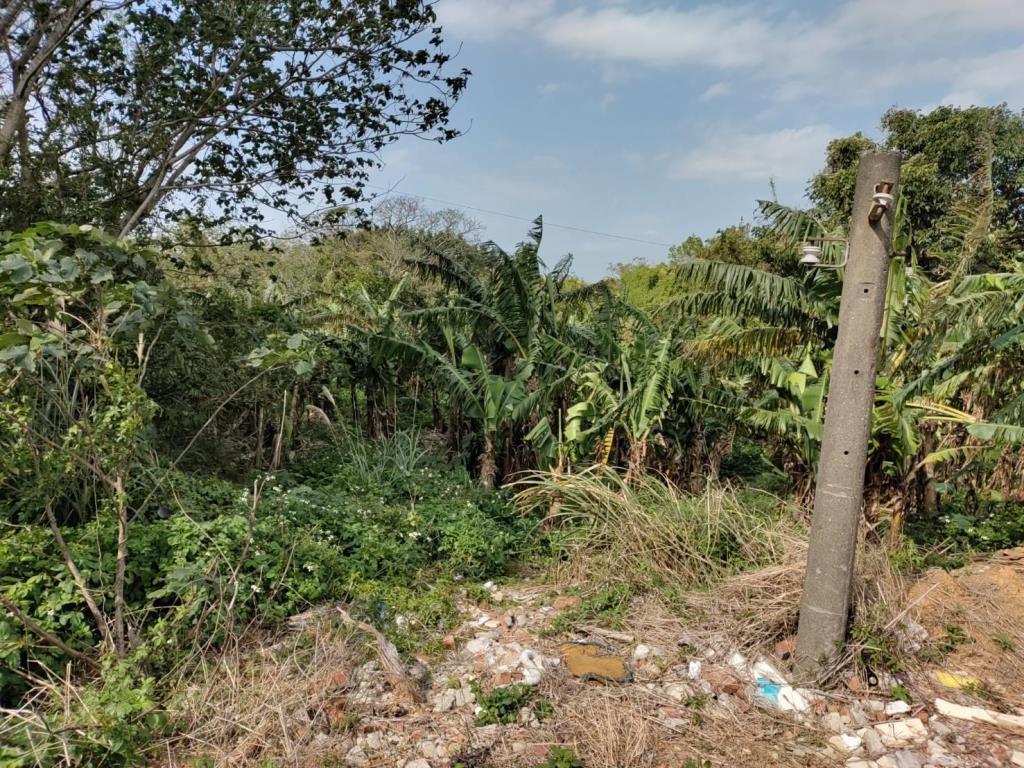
(506, 644)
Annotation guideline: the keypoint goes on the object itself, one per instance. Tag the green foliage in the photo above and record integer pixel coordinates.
(501, 705)
(106, 723)
(161, 494)
(561, 757)
(137, 125)
(966, 523)
(900, 693)
(648, 535)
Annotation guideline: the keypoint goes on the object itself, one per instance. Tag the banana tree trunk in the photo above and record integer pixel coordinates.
(637, 459)
(488, 468)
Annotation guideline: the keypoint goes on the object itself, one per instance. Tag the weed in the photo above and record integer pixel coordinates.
(561, 757)
(649, 535)
(877, 648)
(501, 706)
(1004, 640)
(606, 607)
(955, 637)
(900, 693)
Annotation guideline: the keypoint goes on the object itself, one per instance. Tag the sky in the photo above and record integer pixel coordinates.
(654, 120)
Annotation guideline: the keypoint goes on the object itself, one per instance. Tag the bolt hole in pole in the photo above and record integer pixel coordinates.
(856, 371)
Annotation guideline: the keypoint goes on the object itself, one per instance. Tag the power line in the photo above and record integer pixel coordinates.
(525, 218)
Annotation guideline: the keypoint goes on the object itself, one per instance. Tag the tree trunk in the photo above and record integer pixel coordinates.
(488, 469)
(436, 420)
(120, 644)
(26, 71)
(926, 475)
(637, 459)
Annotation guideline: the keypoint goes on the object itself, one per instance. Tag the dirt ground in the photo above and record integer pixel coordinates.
(688, 699)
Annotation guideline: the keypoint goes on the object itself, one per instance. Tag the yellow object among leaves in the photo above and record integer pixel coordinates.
(956, 680)
(589, 662)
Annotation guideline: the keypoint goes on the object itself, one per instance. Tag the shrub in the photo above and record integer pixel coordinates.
(650, 534)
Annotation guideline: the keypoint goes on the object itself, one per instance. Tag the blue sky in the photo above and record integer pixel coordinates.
(655, 120)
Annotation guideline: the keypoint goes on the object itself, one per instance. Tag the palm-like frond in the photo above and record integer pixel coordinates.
(725, 339)
(712, 289)
(791, 224)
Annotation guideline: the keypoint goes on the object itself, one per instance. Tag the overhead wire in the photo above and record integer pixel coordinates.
(547, 222)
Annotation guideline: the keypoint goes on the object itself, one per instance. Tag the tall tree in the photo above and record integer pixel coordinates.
(123, 114)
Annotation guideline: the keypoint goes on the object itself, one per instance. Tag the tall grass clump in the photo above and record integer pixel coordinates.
(650, 534)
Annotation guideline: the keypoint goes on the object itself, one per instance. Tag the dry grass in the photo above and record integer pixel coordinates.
(650, 533)
(269, 698)
(985, 600)
(610, 727)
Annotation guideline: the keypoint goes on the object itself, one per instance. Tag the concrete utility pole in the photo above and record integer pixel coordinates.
(839, 493)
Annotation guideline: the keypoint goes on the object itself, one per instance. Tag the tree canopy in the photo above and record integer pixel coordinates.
(221, 112)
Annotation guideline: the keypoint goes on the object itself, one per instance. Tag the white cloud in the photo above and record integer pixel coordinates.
(860, 21)
(548, 88)
(607, 100)
(490, 19)
(717, 35)
(715, 90)
(987, 79)
(786, 154)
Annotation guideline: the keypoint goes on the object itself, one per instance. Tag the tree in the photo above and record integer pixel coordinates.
(125, 114)
(954, 159)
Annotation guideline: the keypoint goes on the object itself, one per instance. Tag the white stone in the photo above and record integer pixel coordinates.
(357, 756)
(641, 652)
(872, 741)
(480, 644)
(533, 666)
(373, 741)
(678, 692)
(1017, 758)
(940, 728)
(845, 742)
(834, 722)
(902, 759)
(432, 750)
(446, 700)
(693, 670)
(858, 716)
(900, 732)
(419, 762)
(938, 755)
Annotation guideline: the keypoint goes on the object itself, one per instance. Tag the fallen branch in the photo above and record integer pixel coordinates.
(400, 681)
(45, 636)
(611, 634)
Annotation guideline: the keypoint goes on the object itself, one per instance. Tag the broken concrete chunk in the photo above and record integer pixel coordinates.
(1012, 723)
(900, 732)
(872, 741)
(897, 708)
(845, 742)
(357, 756)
